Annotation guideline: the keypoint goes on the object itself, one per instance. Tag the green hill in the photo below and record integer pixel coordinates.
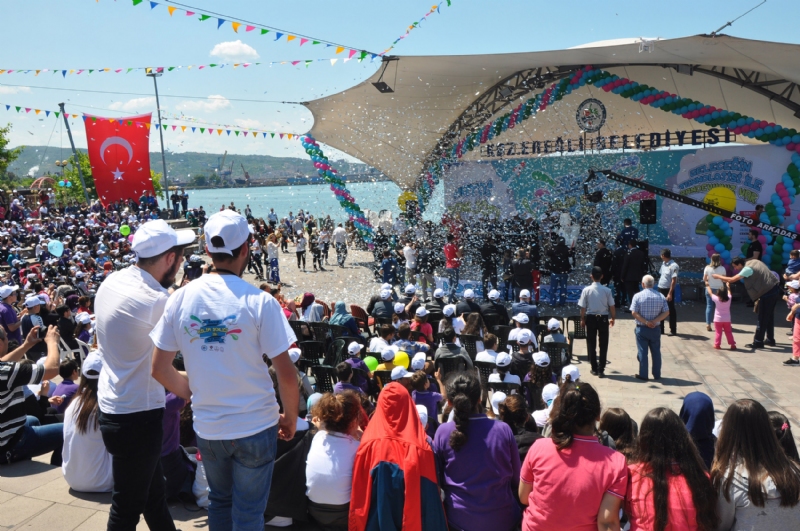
(181, 165)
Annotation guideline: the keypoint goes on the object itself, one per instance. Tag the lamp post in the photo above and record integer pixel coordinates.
(154, 75)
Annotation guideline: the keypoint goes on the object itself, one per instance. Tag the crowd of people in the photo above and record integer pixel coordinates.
(448, 412)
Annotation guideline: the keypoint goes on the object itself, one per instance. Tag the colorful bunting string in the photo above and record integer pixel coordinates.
(219, 129)
(161, 69)
(338, 187)
(414, 25)
(239, 26)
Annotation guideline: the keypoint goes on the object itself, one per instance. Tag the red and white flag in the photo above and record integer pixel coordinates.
(119, 153)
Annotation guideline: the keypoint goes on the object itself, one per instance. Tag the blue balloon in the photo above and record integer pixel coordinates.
(713, 240)
(716, 220)
(69, 184)
(719, 247)
(56, 248)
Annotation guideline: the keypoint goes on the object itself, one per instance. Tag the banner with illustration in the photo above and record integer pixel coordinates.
(736, 178)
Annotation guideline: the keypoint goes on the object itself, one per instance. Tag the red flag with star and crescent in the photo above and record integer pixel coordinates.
(119, 153)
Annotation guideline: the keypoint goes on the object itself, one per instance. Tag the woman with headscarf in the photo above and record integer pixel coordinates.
(310, 311)
(340, 317)
(394, 476)
(697, 413)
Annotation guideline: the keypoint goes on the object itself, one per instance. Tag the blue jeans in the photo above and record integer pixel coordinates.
(558, 288)
(39, 440)
(274, 272)
(452, 281)
(648, 338)
(239, 476)
(710, 306)
(175, 210)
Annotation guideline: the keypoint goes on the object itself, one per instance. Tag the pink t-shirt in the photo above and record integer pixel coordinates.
(569, 484)
(681, 513)
(722, 310)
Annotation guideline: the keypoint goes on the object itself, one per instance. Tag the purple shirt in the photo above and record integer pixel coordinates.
(67, 389)
(172, 424)
(480, 481)
(431, 401)
(357, 379)
(341, 387)
(9, 316)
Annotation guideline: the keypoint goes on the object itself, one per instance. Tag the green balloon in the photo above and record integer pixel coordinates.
(124, 230)
(371, 363)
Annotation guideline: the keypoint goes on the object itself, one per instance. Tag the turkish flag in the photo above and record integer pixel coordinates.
(119, 153)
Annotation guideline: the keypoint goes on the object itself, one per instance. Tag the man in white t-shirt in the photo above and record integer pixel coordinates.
(339, 238)
(128, 305)
(225, 329)
(410, 254)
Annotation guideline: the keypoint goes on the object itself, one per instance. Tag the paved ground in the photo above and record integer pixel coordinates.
(33, 495)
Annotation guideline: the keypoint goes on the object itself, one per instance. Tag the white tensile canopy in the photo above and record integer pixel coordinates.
(437, 100)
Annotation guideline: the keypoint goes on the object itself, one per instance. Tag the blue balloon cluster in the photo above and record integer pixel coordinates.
(719, 234)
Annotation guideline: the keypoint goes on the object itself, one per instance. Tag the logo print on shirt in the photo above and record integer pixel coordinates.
(213, 330)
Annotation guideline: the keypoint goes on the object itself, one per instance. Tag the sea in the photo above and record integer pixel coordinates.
(316, 199)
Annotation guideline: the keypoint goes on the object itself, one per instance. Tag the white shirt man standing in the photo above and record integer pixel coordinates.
(129, 303)
(667, 282)
(339, 237)
(225, 329)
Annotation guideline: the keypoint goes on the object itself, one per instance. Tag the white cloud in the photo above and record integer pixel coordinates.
(135, 105)
(13, 90)
(215, 102)
(234, 51)
(249, 123)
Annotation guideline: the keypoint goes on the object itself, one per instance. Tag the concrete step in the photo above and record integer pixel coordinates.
(178, 224)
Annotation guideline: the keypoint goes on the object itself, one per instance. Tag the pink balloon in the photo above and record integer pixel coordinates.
(763, 240)
(709, 247)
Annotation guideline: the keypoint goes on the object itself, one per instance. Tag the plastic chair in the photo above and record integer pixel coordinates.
(361, 317)
(484, 368)
(513, 344)
(469, 344)
(504, 387)
(312, 353)
(338, 331)
(542, 321)
(382, 377)
(321, 331)
(301, 330)
(325, 377)
(560, 356)
(448, 365)
(78, 354)
(337, 352)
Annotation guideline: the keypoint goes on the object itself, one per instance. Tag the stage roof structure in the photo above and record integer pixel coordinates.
(413, 108)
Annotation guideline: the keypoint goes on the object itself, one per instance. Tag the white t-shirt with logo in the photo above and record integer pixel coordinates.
(223, 325)
(129, 303)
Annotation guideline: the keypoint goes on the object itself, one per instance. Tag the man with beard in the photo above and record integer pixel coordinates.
(128, 305)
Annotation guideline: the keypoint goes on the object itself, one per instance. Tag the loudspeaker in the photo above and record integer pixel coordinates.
(647, 212)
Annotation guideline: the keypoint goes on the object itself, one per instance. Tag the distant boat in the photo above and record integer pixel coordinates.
(304, 180)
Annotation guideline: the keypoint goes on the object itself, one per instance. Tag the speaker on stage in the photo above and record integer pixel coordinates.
(647, 212)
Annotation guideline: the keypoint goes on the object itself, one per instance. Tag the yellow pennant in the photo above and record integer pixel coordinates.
(339, 49)
(147, 125)
(236, 26)
(290, 38)
(290, 136)
(171, 10)
(37, 111)
(219, 132)
(37, 72)
(183, 128)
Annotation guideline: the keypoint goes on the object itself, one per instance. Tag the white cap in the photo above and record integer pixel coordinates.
(6, 290)
(386, 294)
(525, 336)
(399, 307)
(81, 318)
(573, 372)
(411, 289)
(400, 372)
(438, 293)
(156, 237)
(387, 354)
(494, 295)
(497, 397)
(542, 359)
(549, 392)
(93, 362)
(421, 311)
(354, 348)
(79, 274)
(521, 318)
(449, 310)
(231, 226)
(524, 294)
(553, 324)
(503, 359)
(32, 300)
(794, 284)
(418, 361)
(294, 354)
(423, 414)
(386, 285)
(469, 294)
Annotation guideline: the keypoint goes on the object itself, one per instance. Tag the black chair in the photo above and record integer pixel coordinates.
(578, 330)
(469, 344)
(325, 377)
(448, 365)
(513, 344)
(301, 330)
(490, 320)
(337, 352)
(507, 388)
(484, 368)
(376, 355)
(339, 331)
(321, 331)
(534, 396)
(434, 318)
(312, 352)
(382, 378)
(560, 356)
(502, 331)
(542, 320)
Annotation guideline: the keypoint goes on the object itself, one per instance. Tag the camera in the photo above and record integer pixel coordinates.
(193, 268)
(42, 331)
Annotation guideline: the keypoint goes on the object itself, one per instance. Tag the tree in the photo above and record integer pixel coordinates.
(158, 188)
(7, 156)
(199, 180)
(66, 194)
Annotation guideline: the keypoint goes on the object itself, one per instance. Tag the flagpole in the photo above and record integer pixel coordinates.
(154, 75)
(75, 153)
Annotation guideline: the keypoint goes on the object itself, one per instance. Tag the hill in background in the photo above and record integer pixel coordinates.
(40, 161)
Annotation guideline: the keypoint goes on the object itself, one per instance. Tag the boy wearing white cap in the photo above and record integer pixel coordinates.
(493, 311)
(360, 380)
(387, 360)
(223, 325)
(503, 374)
(554, 332)
(438, 303)
(521, 321)
(468, 305)
(33, 318)
(129, 303)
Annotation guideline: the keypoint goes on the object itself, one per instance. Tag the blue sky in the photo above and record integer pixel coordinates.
(86, 34)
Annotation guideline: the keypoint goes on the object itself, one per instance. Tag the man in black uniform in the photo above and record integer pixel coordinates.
(489, 256)
(604, 260)
(633, 269)
(618, 261)
(493, 311)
